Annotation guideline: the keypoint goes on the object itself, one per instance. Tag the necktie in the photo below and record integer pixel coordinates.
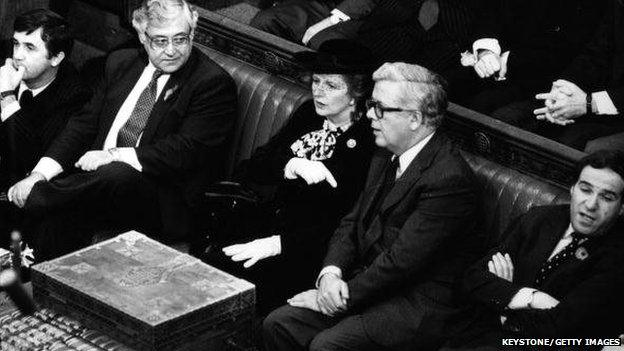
(130, 132)
(26, 99)
(551, 265)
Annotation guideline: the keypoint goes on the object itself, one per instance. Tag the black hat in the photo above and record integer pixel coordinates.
(338, 56)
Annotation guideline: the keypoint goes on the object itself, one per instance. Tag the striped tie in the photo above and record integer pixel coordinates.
(130, 132)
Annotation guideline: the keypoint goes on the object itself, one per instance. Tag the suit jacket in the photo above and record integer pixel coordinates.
(309, 214)
(589, 289)
(543, 35)
(28, 133)
(600, 66)
(182, 145)
(401, 268)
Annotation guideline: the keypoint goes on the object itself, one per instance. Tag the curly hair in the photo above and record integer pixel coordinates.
(159, 11)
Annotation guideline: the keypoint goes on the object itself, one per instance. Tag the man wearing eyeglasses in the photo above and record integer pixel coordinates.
(151, 136)
(391, 264)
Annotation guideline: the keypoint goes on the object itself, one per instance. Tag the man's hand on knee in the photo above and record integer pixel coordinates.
(19, 192)
(94, 159)
(332, 295)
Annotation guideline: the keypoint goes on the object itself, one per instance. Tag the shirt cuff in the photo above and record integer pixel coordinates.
(521, 299)
(604, 104)
(486, 44)
(9, 110)
(341, 16)
(48, 167)
(327, 270)
(128, 155)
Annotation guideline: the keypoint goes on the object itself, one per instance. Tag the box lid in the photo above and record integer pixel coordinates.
(143, 278)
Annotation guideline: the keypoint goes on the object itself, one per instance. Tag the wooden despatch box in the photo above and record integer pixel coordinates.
(147, 295)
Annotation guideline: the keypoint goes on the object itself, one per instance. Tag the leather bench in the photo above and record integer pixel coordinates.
(266, 102)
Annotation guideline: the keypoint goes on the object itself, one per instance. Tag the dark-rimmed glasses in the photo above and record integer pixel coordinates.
(160, 42)
(379, 109)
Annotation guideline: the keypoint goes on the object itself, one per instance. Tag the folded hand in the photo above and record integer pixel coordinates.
(306, 299)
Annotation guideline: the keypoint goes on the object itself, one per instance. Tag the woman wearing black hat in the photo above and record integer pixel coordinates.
(319, 162)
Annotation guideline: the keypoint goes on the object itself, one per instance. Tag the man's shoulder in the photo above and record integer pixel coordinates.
(203, 67)
(123, 55)
(448, 161)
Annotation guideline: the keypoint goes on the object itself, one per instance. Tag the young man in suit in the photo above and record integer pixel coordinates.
(391, 264)
(426, 32)
(39, 91)
(150, 138)
(559, 272)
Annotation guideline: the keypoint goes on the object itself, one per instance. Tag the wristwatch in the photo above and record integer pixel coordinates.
(6, 93)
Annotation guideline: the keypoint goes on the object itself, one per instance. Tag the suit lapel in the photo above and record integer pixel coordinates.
(400, 189)
(119, 92)
(167, 97)
(548, 237)
(413, 172)
(380, 162)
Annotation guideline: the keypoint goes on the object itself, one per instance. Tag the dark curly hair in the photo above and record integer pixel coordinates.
(55, 31)
(611, 159)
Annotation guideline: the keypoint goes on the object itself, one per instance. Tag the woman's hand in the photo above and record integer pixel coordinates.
(313, 172)
(254, 251)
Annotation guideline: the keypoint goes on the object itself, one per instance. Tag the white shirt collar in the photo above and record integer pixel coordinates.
(408, 156)
(35, 92)
(332, 126)
(568, 232)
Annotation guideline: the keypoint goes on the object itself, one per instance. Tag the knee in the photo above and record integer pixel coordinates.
(275, 321)
(322, 343)
(117, 173)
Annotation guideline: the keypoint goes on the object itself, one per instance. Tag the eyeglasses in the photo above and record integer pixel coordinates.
(160, 43)
(379, 109)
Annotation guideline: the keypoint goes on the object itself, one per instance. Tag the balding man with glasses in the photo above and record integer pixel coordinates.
(391, 264)
(154, 132)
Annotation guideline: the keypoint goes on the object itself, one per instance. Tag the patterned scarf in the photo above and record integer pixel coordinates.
(318, 145)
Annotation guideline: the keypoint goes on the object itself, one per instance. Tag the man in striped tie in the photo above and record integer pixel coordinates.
(559, 272)
(152, 135)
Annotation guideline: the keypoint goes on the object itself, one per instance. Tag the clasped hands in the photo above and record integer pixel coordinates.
(489, 63)
(562, 104)
(329, 299)
(501, 266)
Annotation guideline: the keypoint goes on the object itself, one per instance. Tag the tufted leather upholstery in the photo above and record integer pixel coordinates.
(507, 193)
(266, 102)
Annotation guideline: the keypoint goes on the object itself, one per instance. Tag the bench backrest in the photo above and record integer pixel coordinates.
(266, 101)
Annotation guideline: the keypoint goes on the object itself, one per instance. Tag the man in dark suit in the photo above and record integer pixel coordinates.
(150, 138)
(587, 102)
(391, 264)
(519, 47)
(39, 91)
(559, 272)
(425, 32)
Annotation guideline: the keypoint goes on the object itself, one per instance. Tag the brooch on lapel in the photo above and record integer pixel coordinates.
(170, 92)
(581, 253)
(351, 143)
